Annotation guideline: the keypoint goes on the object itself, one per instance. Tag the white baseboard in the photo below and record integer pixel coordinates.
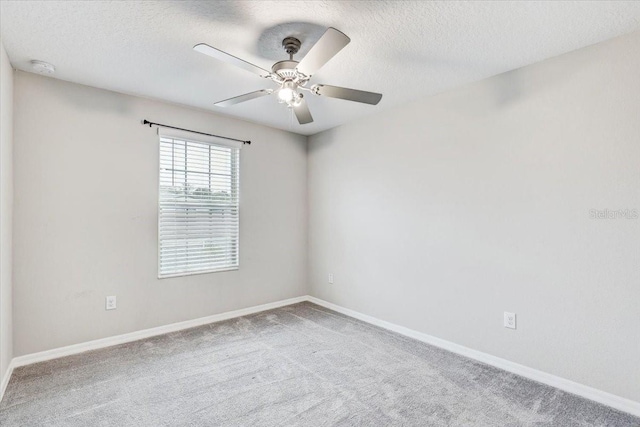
(582, 390)
(617, 402)
(5, 379)
(146, 333)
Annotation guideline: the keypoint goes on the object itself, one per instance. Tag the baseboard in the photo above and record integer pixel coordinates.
(146, 333)
(5, 379)
(582, 390)
(611, 400)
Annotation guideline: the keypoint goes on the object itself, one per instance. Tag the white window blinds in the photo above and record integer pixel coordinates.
(199, 207)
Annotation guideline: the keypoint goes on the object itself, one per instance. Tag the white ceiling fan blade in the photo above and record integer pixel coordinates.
(229, 59)
(331, 42)
(242, 98)
(302, 113)
(348, 94)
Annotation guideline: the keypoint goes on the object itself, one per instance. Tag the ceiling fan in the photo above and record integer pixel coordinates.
(292, 76)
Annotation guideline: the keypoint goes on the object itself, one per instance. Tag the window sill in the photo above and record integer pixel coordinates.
(193, 273)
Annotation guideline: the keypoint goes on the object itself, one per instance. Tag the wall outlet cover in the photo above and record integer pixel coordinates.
(110, 303)
(509, 320)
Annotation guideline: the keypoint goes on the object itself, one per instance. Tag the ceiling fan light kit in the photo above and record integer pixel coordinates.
(292, 77)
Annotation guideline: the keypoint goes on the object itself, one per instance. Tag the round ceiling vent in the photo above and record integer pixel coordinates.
(42, 67)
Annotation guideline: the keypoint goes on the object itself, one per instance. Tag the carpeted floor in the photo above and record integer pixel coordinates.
(299, 365)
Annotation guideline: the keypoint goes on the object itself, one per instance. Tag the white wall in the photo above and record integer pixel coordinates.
(86, 193)
(6, 210)
(441, 215)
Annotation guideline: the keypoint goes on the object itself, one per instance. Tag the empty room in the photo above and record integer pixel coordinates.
(319, 213)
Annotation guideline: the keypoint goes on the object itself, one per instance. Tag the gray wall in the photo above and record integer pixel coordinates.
(438, 216)
(86, 194)
(441, 215)
(6, 209)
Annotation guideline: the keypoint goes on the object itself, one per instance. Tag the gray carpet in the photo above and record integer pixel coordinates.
(300, 365)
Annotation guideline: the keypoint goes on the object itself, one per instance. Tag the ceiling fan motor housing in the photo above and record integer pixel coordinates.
(285, 69)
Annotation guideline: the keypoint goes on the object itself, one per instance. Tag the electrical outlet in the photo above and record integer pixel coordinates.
(330, 278)
(110, 303)
(509, 320)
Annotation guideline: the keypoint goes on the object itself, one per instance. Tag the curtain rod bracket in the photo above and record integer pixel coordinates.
(147, 122)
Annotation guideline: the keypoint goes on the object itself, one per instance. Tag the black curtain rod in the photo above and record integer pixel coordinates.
(147, 122)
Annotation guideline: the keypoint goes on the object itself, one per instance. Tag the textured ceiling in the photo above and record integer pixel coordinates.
(405, 50)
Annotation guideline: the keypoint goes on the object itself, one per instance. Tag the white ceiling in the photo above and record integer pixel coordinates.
(405, 50)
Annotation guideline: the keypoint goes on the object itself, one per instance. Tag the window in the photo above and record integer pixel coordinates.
(198, 207)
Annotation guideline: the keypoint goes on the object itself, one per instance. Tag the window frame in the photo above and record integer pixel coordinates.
(234, 165)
